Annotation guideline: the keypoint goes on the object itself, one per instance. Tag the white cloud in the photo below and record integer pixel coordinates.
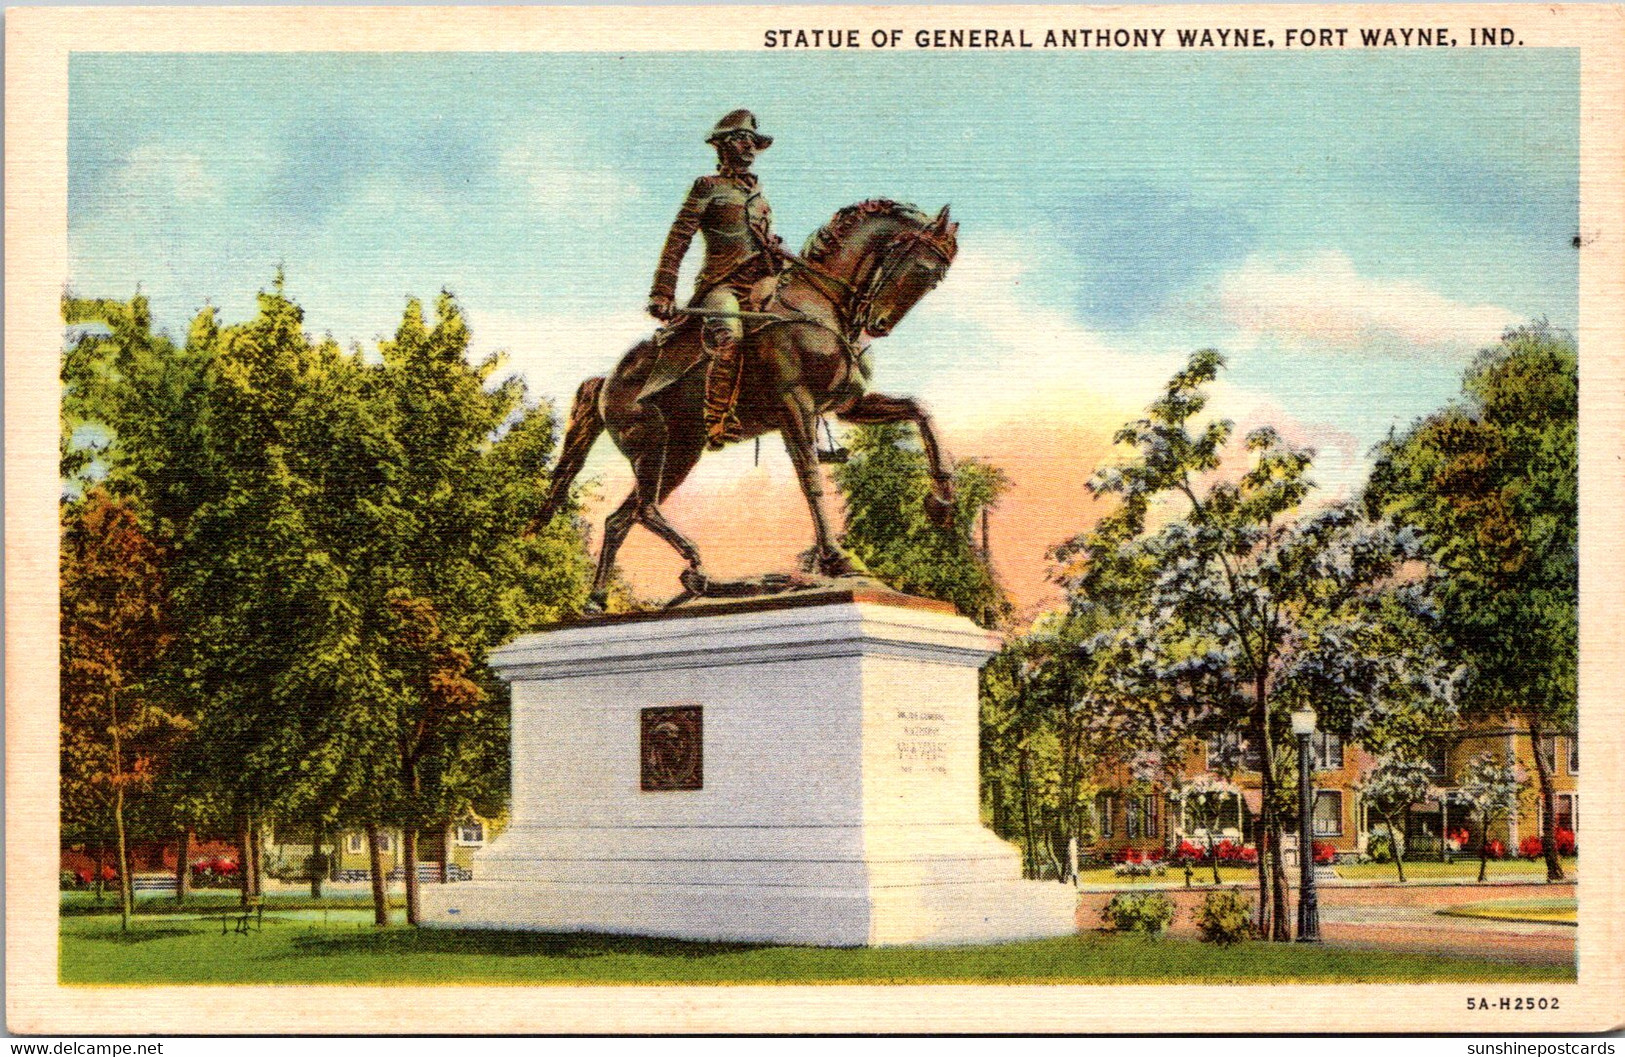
(1019, 356)
(161, 178)
(1324, 302)
(561, 184)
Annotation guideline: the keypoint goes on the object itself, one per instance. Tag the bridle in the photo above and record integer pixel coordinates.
(896, 252)
(854, 301)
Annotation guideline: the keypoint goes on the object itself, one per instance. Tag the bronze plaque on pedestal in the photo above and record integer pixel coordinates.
(671, 749)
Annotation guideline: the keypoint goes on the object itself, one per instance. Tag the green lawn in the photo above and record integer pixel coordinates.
(1200, 875)
(1461, 870)
(301, 947)
(1560, 910)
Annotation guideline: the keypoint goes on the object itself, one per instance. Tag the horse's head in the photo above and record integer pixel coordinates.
(889, 254)
(914, 262)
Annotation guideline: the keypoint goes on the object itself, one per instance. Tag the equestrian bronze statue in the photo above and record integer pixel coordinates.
(802, 351)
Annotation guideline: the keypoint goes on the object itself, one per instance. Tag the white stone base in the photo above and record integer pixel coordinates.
(991, 912)
(838, 804)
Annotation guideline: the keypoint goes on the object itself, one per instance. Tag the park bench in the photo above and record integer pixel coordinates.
(249, 917)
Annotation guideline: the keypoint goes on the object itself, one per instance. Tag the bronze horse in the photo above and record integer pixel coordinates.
(857, 277)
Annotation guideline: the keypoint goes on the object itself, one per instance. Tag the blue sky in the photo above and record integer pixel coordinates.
(1347, 226)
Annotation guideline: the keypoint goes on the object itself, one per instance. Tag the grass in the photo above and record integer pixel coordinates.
(1560, 910)
(1200, 875)
(301, 949)
(1461, 870)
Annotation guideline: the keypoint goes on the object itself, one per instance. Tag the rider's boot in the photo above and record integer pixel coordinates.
(722, 389)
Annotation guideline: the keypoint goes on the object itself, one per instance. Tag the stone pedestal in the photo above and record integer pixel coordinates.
(800, 769)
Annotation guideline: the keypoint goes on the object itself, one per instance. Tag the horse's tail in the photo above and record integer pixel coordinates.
(584, 426)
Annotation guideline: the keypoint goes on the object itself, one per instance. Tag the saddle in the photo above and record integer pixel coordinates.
(681, 348)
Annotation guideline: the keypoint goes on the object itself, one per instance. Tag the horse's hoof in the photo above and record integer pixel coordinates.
(694, 581)
(834, 564)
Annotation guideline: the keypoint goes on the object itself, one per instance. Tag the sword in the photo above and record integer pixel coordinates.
(722, 313)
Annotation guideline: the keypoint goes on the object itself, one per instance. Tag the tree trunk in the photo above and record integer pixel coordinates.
(245, 859)
(447, 841)
(318, 858)
(183, 865)
(101, 865)
(1027, 815)
(1398, 847)
(1548, 800)
(125, 895)
(380, 895)
(257, 842)
(1483, 840)
(409, 861)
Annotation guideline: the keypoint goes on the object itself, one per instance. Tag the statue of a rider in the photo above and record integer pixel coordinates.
(728, 208)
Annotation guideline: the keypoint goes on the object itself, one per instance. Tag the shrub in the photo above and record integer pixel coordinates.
(82, 875)
(1324, 853)
(1529, 847)
(1146, 912)
(1189, 852)
(1225, 917)
(70, 879)
(1380, 848)
(1565, 842)
(1494, 849)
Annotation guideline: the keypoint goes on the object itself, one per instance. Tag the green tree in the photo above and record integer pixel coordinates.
(1491, 483)
(458, 573)
(885, 485)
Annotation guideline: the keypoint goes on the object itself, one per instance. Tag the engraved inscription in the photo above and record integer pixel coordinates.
(921, 749)
(672, 748)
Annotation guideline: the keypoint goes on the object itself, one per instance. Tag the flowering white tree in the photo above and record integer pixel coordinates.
(1239, 608)
(1202, 803)
(1489, 787)
(1389, 789)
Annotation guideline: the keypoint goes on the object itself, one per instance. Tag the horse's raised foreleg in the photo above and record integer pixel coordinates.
(876, 409)
(798, 424)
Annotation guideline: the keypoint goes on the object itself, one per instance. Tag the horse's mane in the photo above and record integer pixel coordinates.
(841, 224)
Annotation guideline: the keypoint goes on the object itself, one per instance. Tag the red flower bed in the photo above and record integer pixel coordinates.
(1529, 847)
(1494, 849)
(1324, 853)
(1565, 842)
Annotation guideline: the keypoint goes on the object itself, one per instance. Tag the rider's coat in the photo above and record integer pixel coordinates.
(733, 215)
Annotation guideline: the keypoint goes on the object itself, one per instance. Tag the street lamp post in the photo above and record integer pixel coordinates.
(1303, 725)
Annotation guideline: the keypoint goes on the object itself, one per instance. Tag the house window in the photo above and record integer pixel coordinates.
(1103, 810)
(1574, 754)
(1568, 812)
(1328, 816)
(356, 843)
(471, 832)
(1221, 749)
(1149, 813)
(1438, 761)
(1328, 751)
(1131, 818)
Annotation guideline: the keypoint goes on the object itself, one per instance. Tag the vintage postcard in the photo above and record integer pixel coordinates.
(814, 519)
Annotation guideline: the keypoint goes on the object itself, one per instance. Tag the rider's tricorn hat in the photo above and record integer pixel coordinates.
(739, 121)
